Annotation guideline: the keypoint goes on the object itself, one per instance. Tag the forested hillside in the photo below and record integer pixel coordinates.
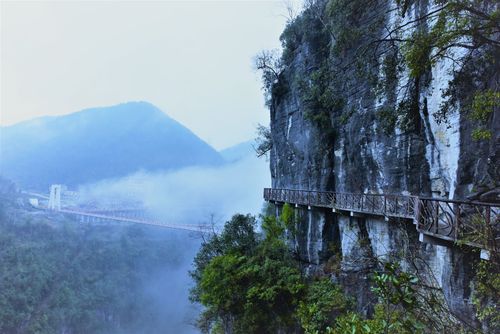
(61, 276)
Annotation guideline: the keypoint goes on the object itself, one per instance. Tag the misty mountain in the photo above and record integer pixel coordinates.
(99, 143)
(238, 151)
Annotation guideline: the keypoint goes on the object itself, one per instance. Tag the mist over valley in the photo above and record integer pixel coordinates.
(103, 275)
(250, 167)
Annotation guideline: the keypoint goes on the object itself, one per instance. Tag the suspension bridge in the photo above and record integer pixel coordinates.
(129, 216)
(119, 214)
(476, 224)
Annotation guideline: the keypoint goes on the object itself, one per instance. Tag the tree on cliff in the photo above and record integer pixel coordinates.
(270, 64)
(247, 283)
(264, 142)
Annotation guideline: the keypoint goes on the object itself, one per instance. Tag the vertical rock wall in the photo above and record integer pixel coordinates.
(427, 158)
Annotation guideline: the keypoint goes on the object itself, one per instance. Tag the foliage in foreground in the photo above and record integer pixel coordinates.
(249, 282)
(487, 295)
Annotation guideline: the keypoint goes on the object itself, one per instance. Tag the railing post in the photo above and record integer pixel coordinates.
(385, 205)
(417, 208)
(457, 222)
(489, 238)
(436, 219)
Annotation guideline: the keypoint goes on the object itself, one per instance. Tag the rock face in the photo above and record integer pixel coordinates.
(352, 146)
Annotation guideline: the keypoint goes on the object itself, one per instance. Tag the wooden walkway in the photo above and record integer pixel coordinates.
(473, 223)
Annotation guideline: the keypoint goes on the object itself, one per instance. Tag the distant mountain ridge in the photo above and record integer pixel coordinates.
(239, 151)
(99, 143)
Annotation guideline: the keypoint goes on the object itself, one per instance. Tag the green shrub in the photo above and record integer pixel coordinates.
(323, 302)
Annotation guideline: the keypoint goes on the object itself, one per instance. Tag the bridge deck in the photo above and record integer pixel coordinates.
(474, 223)
(135, 220)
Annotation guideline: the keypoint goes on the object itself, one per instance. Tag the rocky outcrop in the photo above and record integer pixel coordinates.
(426, 157)
(361, 143)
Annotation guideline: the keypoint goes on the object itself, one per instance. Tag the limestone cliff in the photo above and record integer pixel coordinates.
(348, 115)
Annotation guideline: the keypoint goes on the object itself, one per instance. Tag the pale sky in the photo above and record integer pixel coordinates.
(193, 60)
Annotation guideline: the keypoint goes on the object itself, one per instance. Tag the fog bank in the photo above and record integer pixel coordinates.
(192, 194)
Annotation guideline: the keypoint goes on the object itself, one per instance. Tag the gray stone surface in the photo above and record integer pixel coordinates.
(431, 159)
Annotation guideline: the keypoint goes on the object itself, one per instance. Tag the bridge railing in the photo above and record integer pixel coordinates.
(379, 204)
(107, 216)
(473, 223)
(392, 205)
(300, 197)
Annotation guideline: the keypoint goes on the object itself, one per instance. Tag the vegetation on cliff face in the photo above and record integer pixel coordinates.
(339, 54)
(483, 105)
(250, 282)
(487, 293)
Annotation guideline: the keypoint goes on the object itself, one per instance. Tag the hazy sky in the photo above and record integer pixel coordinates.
(191, 59)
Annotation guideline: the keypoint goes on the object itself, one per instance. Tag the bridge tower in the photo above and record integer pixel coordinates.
(55, 197)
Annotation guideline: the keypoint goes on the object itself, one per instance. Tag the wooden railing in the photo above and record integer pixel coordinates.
(472, 223)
